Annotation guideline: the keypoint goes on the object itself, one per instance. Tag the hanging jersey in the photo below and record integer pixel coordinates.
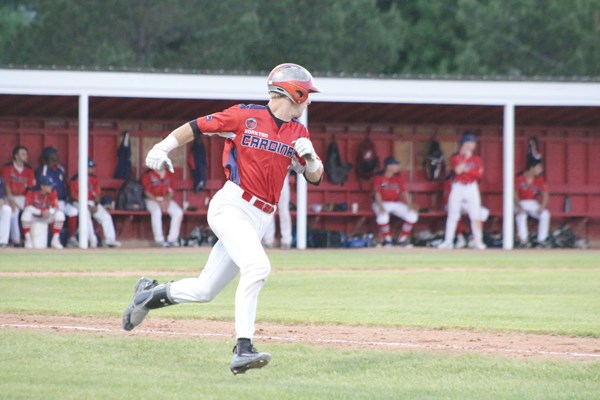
(58, 178)
(389, 188)
(257, 152)
(529, 190)
(18, 181)
(41, 201)
(157, 186)
(93, 187)
(473, 170)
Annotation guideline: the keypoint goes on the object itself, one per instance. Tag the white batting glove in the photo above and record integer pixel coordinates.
(158, 159)
(305, 149)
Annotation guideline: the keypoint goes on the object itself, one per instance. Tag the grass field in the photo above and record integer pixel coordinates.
(549, 292)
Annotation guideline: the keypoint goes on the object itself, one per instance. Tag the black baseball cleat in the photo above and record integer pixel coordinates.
(246, 357)
(148, 295)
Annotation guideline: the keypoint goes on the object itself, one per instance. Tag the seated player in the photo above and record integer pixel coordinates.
(97, 211)
(529, 187)
(390, 197)
(42, 205)
(158, 188)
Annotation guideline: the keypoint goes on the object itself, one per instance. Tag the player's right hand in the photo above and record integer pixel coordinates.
(158, 159)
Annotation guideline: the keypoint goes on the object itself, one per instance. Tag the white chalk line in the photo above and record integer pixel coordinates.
(300, 340)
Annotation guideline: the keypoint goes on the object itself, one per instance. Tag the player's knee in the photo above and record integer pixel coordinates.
(59, 216)
(413, 217)
(545, 214)
(204, 295)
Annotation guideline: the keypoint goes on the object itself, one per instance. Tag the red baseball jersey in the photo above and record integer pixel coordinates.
(472, 172)
(258, 152)
(155, 185)
(389, 188)
(93, 187)
(529, 190)
(40, 201)
(18, 182)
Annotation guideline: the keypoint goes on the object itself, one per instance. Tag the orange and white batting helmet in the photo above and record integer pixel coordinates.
(293, 81)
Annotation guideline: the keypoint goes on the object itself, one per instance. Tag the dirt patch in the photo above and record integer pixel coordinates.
(514, 345)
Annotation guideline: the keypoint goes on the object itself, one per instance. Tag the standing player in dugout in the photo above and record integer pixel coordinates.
(261, 143)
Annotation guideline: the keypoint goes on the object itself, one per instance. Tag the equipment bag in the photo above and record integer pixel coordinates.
(131, 196)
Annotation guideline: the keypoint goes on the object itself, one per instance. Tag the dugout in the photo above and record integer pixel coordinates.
(40, 108)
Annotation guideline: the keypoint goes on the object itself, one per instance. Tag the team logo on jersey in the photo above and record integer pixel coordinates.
(209, 117)
(251, 123)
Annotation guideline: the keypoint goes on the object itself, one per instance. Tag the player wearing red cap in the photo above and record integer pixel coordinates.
(261, 143)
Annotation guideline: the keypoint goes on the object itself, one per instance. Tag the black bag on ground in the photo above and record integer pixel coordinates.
(131, 196)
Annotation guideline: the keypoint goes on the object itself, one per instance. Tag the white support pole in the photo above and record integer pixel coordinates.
(83, 169)
(301, 201)
(509, 177)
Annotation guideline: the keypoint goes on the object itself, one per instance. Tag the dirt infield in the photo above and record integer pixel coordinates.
(514, 345)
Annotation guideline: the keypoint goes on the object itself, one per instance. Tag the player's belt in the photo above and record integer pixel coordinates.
(258, 203)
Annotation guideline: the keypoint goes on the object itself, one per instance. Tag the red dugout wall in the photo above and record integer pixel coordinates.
(570, 154)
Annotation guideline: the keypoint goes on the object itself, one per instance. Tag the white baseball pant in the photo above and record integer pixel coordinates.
(464, 197)
(484, 212)
(531, 208)
(5, 218)
(176, 214)
(27, 217)
(396, 208)
(68, 209)
(15, 228)
(285, 219)
(239, 227)
(104, 219)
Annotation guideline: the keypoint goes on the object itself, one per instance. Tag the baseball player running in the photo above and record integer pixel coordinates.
(528, 186)
(262, 142)
(388, 189)
(468, 169)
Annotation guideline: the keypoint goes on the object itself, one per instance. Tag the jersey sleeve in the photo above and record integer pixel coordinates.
(224, 123)
(401, 183)
(542, 185)
(74, 188)
(31, 178)
(146, 182)
(476, 172)
(29, 198)
(5, 173)
(53, 200)
(376, 186)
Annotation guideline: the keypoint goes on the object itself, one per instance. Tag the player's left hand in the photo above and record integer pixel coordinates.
(158, 159)
(304, 148)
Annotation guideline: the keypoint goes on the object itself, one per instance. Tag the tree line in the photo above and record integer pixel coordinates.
(513, 38)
